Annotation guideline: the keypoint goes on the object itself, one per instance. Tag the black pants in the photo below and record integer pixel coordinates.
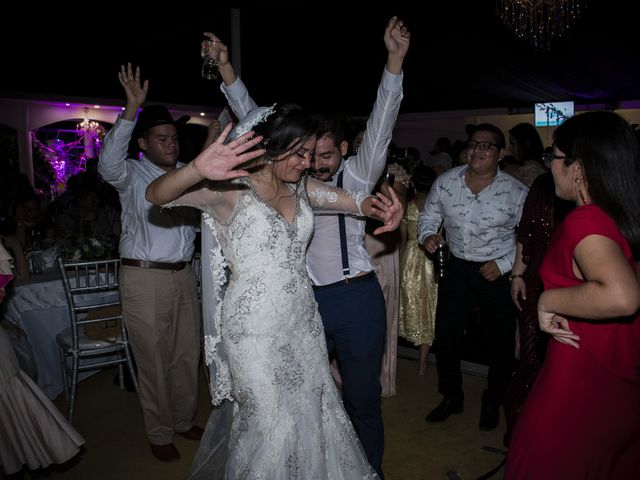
(355, 324)
(459, 291)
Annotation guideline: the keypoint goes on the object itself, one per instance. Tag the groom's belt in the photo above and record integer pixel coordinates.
(130, 262)
(346, 281)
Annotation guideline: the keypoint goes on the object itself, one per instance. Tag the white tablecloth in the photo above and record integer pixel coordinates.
(40, 308)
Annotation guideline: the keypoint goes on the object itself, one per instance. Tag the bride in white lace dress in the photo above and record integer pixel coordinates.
(288, 420)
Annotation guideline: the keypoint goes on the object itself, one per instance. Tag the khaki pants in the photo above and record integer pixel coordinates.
(161, 311)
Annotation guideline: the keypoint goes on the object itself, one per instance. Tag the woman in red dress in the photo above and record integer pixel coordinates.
(582, 418)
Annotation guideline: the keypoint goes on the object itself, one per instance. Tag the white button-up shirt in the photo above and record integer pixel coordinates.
(479, 227)
(361, 173)
(149, 232)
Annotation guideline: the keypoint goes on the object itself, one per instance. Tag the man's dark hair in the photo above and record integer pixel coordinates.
(330, 126)
(488, 127)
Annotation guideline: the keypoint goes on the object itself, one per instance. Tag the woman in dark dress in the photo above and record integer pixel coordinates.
(542, 213)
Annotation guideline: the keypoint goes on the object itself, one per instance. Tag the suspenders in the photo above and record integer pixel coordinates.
(346, 271)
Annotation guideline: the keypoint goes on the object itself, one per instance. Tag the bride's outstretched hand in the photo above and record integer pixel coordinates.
(219, 161)
(387, 209)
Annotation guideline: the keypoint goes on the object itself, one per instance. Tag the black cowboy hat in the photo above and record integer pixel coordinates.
(154, 115)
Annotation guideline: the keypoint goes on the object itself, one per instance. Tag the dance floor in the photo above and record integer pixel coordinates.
(116, 447)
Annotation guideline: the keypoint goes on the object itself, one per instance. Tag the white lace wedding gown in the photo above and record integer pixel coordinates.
(288, 420)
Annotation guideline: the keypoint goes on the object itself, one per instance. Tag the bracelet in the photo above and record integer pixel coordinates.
(515, 275)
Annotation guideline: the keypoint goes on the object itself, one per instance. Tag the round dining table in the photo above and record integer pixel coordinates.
(39, 307)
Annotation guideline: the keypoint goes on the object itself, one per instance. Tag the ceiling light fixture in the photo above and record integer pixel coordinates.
(539, 22)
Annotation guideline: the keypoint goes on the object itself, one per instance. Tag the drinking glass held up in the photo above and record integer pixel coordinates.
(210, 61)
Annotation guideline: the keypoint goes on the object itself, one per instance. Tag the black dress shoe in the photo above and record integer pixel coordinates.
(446, 407)
(165, 453)
(489, 415)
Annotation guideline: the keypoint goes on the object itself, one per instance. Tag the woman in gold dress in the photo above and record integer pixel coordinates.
(418, 284)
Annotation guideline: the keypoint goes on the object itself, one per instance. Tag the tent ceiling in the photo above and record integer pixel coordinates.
(330, 59)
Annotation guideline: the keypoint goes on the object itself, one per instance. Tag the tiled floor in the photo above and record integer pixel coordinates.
(116, 446)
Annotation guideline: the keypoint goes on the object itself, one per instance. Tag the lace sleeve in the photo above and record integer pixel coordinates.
(326, 198)
(218, 199)
(198, 197)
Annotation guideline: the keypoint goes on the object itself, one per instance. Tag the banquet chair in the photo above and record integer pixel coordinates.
(91, 288)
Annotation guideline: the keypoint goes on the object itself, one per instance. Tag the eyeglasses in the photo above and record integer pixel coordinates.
(548, 158)
(472, 144)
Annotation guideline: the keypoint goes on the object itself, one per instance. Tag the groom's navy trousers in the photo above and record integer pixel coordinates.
(355, 324)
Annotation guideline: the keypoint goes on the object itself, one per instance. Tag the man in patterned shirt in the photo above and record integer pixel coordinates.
(480, 207)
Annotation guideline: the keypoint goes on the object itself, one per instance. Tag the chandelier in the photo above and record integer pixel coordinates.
(539, 22)
(92, 133)
(90, 126)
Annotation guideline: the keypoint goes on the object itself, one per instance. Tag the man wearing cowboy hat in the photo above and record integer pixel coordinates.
(160, 304)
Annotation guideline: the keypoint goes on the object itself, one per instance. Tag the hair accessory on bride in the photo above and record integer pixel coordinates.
(250, 120)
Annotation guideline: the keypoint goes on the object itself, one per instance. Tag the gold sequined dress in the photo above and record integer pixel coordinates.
(418, 287)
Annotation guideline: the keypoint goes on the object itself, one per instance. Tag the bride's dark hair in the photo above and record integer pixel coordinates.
(285, 130)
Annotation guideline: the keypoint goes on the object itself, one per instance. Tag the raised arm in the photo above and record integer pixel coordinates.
(232, 86)
(112, 165)
(396, 39)
(389, 210)
(217, 162)
(135, 90)
(369, 163)
(212, 46)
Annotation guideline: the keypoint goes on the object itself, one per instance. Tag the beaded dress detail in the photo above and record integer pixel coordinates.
(288, 419)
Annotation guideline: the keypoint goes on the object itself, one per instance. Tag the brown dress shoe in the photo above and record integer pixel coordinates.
(165, 453)
(194, 433)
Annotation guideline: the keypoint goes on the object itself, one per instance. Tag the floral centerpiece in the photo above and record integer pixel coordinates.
(75, 248)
